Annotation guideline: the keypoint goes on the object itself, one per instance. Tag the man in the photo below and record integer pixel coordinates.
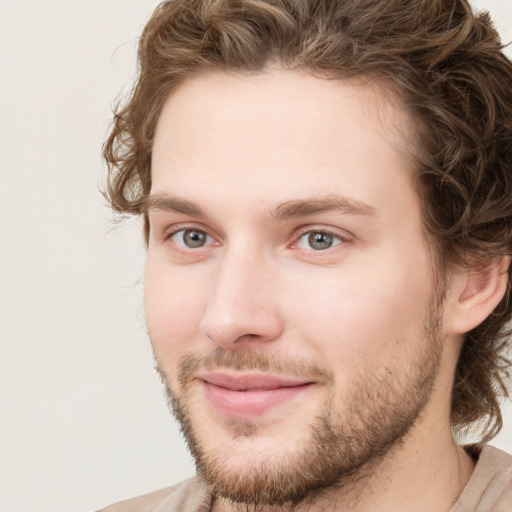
(326, 187)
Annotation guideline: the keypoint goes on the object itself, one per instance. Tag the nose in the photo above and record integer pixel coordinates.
(243, 307)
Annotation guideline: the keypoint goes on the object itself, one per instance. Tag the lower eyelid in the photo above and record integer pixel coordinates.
(339, 239)
(207, 240)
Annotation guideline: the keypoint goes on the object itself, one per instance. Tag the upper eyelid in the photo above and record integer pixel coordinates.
(176, 228)
(338, 233)
(298, 233)
(342, 241)
(167, 238)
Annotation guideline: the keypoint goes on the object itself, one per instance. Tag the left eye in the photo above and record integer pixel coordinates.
(191, 238)
(318, 240)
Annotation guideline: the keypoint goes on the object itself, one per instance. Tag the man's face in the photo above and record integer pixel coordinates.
(288, 286)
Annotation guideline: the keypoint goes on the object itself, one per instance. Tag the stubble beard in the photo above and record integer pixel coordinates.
(378, 414)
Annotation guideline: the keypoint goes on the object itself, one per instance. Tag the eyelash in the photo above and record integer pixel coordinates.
(309, 231)
(184, 229)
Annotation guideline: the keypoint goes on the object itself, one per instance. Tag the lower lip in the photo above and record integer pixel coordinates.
(249, 404)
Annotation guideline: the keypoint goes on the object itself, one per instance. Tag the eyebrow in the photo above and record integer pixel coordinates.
(288, 210)
(165, 202)
(337, 203)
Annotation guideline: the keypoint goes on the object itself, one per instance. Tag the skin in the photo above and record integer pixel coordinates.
(229, 152)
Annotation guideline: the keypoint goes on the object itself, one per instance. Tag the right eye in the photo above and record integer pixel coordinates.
(191, 238)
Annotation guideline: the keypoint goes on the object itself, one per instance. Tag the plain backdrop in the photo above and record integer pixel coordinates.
(83, 419)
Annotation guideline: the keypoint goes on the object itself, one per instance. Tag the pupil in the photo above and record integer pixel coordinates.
(194, 238)
(320, 241)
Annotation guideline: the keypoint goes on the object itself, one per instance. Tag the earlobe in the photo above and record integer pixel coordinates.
(477, 292)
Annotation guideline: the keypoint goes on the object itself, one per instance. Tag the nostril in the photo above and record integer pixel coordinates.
(248, 337)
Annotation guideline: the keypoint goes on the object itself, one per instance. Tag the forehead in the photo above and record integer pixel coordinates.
(281, 131)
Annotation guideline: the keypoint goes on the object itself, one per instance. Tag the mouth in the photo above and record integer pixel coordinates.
(249, 395)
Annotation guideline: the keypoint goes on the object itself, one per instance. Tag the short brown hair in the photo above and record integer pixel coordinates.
(448, 69)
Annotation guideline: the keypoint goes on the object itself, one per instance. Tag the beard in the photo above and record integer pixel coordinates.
(344, 442)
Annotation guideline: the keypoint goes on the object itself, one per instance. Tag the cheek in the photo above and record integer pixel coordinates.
(174, 305)
(375, 316)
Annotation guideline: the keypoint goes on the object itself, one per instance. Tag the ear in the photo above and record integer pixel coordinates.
(475, 293)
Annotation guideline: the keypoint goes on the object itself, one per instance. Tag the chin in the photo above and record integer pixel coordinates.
(327, 437)
(266, 462)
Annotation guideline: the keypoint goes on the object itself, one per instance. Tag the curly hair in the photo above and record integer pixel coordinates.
(447, 67)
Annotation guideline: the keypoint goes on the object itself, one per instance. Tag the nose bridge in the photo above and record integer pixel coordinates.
(242, 304)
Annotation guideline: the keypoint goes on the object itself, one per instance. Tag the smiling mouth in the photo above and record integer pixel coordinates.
(248, 395)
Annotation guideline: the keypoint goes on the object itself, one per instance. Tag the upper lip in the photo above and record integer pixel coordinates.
(250, 382)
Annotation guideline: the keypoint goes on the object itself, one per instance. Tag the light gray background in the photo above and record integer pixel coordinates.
(83, 422)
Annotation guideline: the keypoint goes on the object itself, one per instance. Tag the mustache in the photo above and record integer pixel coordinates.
(248, 359)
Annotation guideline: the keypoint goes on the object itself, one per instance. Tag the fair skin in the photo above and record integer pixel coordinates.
(286, 240)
